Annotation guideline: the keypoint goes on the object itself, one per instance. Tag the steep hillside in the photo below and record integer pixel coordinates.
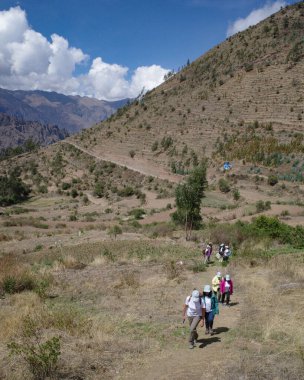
(72, 113)
(15, 132)
(250, 87)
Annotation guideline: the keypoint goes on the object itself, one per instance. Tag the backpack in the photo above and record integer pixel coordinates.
(200, 299)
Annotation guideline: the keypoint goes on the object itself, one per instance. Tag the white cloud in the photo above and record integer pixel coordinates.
(255, 17)
(29, 61)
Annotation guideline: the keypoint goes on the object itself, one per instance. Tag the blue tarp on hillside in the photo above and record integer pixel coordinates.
(227, 165)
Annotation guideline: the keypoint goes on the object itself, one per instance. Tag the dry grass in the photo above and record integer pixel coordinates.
(270, 335)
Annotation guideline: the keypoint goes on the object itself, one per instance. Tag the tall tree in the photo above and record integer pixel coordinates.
(188, 198)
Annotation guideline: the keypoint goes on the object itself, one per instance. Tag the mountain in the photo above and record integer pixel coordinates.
(72, 113)
(243, 99)
(15, 132)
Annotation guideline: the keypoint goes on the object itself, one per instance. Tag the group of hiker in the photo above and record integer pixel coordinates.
(223, 254)
(202, 307)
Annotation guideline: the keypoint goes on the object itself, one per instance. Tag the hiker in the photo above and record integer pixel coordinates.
(195, 310)
(226, 289)
(227, 253)
(211, 304)
(220, 253)
(207, 253)
(216, 285)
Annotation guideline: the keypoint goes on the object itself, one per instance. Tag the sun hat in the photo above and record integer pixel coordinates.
(218, 274)
(227, 277)
(207, 289)
(195, 295)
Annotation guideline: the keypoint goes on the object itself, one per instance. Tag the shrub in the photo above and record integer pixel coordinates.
(224, 185)
(12, 190)
(99, 190)
(18, 283)
(132, 153)
(41, 357)
(263, 206)
(114, 231)
(137, 213)
(154, 146)
(272, 180)
(74, 193)
(127, 191)
(65, 186)
(236, 194)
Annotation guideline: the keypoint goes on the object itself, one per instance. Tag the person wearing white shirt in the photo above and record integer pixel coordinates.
(194, 308)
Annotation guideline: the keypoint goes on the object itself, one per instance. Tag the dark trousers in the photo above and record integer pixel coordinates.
(218, 295)
(227, 296)
(193, 322)
(209, 318)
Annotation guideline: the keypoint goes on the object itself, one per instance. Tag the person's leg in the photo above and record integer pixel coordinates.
(228, 298)
(207, 323)
(219, 296)
(223, 298)
(193, 321)
(211, 319)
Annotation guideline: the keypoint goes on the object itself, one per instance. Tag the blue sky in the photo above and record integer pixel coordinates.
(136, 41)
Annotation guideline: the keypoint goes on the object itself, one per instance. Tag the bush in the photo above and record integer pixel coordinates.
(137, 213)
(74, 193)
(154, 146)
(224, 185)
(12, 190)
(114, 231)
(127, 191)
(65, 186)
(41, 357)
(236, 194)
(132, 153)
(272, 180)
(99, 190)
(263, 206)
(16, 284)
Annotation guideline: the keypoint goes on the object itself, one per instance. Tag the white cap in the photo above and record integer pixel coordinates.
(219, 274)
(207, 289)
(195, 296)
(227, 277)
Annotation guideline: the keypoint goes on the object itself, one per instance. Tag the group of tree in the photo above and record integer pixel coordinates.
(13, 189)
(28, 146)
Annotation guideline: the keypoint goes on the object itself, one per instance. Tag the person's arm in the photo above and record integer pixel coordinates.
(231, 287)
(185, 311)
(203, 315)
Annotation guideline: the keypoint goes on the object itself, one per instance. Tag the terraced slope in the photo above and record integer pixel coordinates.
(252, 77)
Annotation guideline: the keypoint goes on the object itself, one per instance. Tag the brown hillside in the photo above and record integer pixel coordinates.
(254, 76)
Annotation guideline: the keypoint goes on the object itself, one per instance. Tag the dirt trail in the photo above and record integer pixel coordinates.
(203, 362)
(138, 165)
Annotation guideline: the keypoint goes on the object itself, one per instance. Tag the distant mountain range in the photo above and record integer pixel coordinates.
(15, 132)
(72, 113)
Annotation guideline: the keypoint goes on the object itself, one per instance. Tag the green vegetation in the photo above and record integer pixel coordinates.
(40, 355)
(188, 200)
(224, 185)
(12, 189)
(28, 146)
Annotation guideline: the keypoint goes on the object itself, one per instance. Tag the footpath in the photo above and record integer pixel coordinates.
(203, 362)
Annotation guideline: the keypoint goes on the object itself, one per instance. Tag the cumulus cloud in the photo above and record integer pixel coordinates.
(29, 61)
(255, 17)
